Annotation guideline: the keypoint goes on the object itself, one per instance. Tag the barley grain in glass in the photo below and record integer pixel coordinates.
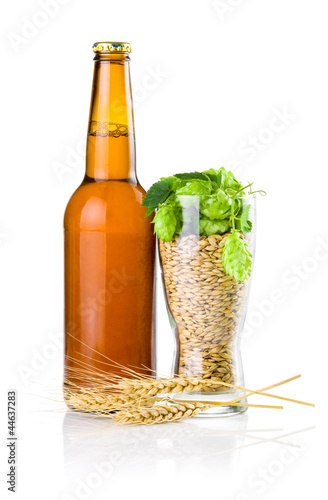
(207, 307)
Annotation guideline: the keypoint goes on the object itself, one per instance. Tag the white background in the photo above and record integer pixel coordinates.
(223, 72)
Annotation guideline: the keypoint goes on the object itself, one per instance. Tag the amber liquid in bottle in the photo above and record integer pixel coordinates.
(109, 243)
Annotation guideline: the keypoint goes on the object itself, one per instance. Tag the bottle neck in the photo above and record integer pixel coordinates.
(111, 143)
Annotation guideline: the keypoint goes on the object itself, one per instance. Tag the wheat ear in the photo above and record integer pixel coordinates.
(95, 402)
(159, 414)
(152, 386)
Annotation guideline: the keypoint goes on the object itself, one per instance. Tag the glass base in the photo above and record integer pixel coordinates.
(216, 397)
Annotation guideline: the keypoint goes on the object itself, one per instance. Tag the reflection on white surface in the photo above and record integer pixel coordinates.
(101, 457)
(179, 447)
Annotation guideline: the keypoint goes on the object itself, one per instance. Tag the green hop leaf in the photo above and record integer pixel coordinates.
(192, 176)
(245, 224)
(176, 183)
(150, 210)
(236, 258)
(158, 193)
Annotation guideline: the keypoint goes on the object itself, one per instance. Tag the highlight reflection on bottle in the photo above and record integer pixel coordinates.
(109, 243)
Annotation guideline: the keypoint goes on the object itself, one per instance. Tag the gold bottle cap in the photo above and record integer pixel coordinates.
(111, 47)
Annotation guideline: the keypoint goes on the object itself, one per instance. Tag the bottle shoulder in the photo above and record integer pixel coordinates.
(94, 205)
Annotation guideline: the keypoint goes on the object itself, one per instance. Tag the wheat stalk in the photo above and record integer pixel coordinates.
(159, 414)
(108, 405)
(110, 396)
(151, 386)
(102, 403)
(147, 400)
(133, 408)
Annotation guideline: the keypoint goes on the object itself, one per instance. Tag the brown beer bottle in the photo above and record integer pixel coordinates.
(109, 243)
